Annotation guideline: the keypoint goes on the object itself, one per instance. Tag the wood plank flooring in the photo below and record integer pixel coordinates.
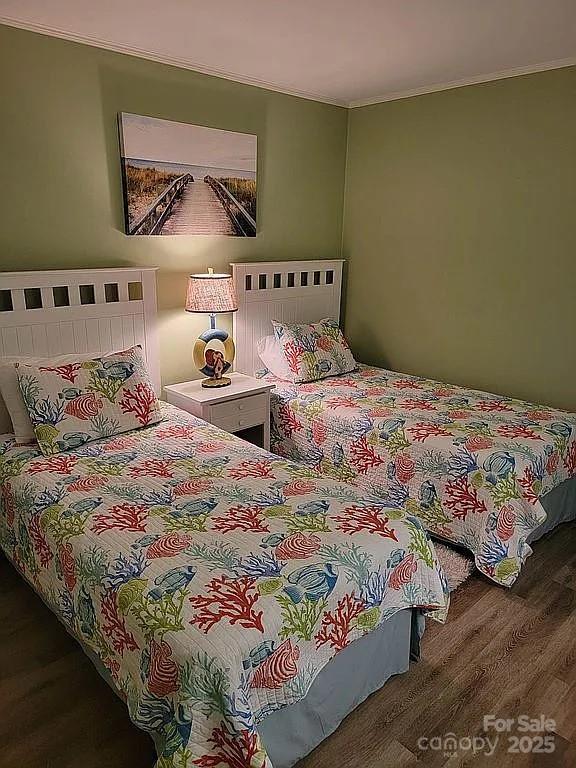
(503, 653)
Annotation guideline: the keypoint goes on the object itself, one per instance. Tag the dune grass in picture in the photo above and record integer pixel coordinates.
(182, 179)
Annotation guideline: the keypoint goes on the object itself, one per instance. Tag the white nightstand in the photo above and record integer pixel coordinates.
(243, 407)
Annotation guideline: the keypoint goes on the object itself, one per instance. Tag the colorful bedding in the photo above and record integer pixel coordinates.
(471, 465)
(212, 579)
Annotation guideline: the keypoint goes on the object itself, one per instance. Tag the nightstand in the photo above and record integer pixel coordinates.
(242, 408)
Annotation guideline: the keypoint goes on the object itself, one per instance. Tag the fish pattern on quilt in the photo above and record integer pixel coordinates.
(470, 465)
(212, 579)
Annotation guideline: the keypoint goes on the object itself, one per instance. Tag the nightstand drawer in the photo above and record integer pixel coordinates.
(236, 423)
(237, 409)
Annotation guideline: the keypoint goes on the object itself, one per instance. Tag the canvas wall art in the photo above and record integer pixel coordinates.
(182, 179)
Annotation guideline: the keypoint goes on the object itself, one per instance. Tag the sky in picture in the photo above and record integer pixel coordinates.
(164, 141)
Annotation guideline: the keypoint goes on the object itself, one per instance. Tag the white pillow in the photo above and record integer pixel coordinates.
(270, 352)
(12, 397)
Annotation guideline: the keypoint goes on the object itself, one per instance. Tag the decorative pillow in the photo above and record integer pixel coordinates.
(314, 351)
(271, 354)
(72, 404)
(11, 397)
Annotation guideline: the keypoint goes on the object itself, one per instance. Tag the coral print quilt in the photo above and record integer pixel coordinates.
(470, 465)
(212, 579)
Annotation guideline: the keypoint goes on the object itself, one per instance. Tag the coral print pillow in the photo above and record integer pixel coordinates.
(314, 351)
(72, 404)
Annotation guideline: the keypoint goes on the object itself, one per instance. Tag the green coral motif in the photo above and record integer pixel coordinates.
(107, 387)
(419, 544)
(277, 510)
(205, 685)
(156, 617)
(299, 620)
(91, 567)
(102, 467)
(310, 523)
(10, 468)
(343, 472)
(433, 516)
(505, 489)
(355, 562)
(397, 442)
(196, 469)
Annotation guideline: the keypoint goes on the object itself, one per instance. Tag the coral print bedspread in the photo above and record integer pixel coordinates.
(470, 465)
(212, 579)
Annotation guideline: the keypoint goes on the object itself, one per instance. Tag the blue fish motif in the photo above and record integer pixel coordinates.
(391, 470)
(560, 429)
(273, 540)
(395, 558)
(337, 455)
(324, 366)
(72, 440)
(458, 401)
(177, 732)
(498, 466)
(428, 495)
(171, 581)
(312, 582)
(194, 508)
(145, 664)
(118, 370)
(312, 508)
(70, 393)
(145, 541)
(389, 426)
(259, 654)
(86, 612)
(123, 458)
(83, 506)
(216, 462)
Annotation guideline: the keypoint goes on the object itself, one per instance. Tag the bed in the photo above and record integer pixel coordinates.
(481, 471)
(222, 591)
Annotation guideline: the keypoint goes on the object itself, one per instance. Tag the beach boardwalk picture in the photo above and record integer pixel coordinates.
(182, 179)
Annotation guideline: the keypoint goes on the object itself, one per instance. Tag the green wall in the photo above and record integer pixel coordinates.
(458, 214)
(460, 231)
(60, 196)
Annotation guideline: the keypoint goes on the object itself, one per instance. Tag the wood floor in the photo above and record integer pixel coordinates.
(503, 653)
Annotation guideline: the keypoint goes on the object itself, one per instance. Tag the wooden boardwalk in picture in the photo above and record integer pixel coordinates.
(198, 211)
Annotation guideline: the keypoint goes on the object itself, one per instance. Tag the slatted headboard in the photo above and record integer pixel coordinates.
(79, 310)
(289, 291)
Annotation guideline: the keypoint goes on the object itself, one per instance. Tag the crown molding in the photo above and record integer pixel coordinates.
(477, 80)
(161, 58)
(182, 63)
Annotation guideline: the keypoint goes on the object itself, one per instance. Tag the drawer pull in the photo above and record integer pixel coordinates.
(240, 422)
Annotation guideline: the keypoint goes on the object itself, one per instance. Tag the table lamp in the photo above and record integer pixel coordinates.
(212, 294)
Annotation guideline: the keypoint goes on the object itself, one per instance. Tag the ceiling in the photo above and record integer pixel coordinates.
(347, 52)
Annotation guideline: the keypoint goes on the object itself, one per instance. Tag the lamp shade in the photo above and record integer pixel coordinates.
(211, 293)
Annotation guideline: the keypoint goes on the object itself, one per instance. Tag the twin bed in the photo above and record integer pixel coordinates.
(483, 472)
(227, 593)
(220, 589)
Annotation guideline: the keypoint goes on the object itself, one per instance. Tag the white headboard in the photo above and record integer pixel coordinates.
(289, 291)
(79, 310)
